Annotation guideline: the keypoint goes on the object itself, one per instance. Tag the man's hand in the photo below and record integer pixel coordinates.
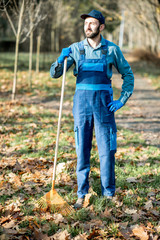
(65, 53)
(115, 105)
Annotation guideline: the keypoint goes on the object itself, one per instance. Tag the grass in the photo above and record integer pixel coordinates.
(27, 142)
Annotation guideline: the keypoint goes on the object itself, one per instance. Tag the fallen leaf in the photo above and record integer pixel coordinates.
(96, 223)
(135, 217)
(63, 235)
(130, 211)
(5, 219)
(132, 180)
(58, 218)
(87, 200)
(17, 167)
(155, 213)
(139, 231)
(10, 231)
(96, 170)
(81, 237)
(126, 233)
(123, 224)
(93, 234)
(10, 224)
(148, 205)
(17, 182)
(37, 233)
(158, 228)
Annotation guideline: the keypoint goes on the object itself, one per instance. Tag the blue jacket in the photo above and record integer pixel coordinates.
(114, 58)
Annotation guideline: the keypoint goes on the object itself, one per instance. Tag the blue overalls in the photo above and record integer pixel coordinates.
(93, 93)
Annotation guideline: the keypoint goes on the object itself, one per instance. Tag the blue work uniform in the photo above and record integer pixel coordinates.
(93, 93)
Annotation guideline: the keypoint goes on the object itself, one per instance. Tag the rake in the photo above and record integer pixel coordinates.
(52, 199)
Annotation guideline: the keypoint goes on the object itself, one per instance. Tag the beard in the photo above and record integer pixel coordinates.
(92, 34)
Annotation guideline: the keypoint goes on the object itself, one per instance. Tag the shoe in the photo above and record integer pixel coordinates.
(79, 203)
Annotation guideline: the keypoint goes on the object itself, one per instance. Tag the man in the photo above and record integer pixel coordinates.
(93, 103)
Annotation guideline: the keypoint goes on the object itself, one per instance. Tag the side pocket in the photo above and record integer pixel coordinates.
(113, 140)
(76, 137)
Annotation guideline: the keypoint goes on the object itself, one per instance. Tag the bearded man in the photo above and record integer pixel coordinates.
(93, 104)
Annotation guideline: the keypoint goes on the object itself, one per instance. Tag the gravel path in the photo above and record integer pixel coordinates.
(144, 113)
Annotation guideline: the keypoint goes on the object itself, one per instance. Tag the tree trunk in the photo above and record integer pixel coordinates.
(30, 48)
(38, 52)
(121, 33)
(30, 60)
(110, 37)
(130, 38)
(17, 50)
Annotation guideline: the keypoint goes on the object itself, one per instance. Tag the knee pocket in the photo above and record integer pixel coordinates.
(113, 140)
(76, 130)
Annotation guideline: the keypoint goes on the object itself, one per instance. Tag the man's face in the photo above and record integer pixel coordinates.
(91, 27)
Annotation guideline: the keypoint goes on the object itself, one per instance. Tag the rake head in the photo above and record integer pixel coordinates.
(55, 202)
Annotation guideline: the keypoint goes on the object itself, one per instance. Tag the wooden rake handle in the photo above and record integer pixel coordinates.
(59, 121)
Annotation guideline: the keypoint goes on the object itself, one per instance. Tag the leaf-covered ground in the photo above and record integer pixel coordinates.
(27, 144)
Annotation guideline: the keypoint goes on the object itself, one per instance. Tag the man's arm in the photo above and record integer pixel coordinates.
(56, 69)
(124, 69)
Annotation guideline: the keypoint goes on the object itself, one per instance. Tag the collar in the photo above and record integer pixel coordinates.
(102, 42)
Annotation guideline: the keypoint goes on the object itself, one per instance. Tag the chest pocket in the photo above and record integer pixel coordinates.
(96, 67)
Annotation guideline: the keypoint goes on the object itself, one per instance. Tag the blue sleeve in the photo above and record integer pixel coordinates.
(124, 69)
(56, 69)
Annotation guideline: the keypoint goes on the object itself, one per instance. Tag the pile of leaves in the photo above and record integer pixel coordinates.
(27, 142)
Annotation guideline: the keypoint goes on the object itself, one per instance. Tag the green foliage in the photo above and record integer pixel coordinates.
(53, 228)
(82, 215)
(74, 231)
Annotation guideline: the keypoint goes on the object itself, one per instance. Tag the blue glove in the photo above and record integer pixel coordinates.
(65, 53)
(115, 105)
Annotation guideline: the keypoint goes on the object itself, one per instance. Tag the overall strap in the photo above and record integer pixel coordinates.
(104, 49)
(81, 50)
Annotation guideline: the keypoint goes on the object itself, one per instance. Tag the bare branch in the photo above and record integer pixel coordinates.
(15, 4)
(4, 5)
(10, 21)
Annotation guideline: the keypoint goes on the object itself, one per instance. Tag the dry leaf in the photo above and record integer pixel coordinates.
(58, 218)
(39, 235)
(93, 234)
(10, 224)
(5, 219)
(17, 167)
(107, 213)
(17, 182)
(135, 217)
(60, 168)
(81, 237)
(148, 205)
(139, 231)
(132, 180)
(155, 213)
(87, 200)
(63, 235)
(126, 233)
(130, 211)
(96, 170)
(95, 223)
(10, 231)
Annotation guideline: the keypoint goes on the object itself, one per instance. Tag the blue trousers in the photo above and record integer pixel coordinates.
(90, 111)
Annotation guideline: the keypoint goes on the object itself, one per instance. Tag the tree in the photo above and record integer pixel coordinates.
(110, 9)
(29, 20)
(146, 18)
(36, 15)
(17, 34)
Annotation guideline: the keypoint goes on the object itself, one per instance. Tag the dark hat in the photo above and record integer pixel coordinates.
(95, 14)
